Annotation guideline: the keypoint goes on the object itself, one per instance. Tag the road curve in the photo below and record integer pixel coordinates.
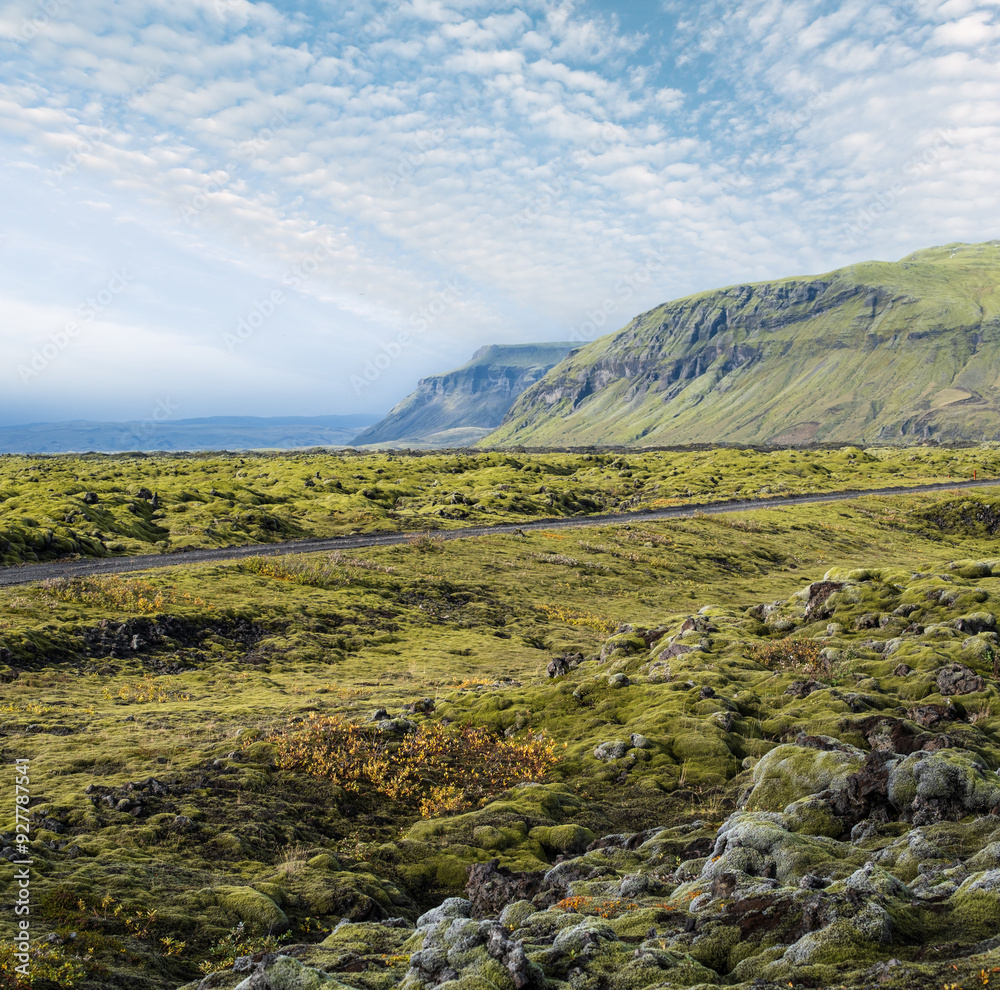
(27, 573)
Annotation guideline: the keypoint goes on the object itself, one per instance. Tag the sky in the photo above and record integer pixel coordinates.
(225, 207)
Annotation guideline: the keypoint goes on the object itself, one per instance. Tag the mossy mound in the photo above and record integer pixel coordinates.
(776, 777)
(252, 907)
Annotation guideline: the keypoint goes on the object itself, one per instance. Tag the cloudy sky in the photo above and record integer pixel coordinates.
(230, 207)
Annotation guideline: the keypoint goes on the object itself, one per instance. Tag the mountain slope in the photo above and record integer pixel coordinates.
(463, 405)
(874, 351)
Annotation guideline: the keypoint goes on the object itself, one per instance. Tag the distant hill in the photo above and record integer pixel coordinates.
(460, 407)
(212, 433)
(874, 352)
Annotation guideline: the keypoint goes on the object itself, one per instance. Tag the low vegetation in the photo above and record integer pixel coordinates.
(647, 724)
(101, 505)
(431, 768)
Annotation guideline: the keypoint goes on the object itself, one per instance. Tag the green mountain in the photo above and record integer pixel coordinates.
(877, 351)
(460, 407)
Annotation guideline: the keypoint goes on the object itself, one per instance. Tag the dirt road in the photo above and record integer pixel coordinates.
(27, 573)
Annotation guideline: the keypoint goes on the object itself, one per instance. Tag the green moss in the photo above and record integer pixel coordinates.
(563, 838)
(514, 915)
(324, 861)
(787, 773)
(367, 938)
(714, 946)
(397, 624)
(945, 775)
(813, 817)
(253, 907)
(286, 973)
(489, 837)
(973, 569)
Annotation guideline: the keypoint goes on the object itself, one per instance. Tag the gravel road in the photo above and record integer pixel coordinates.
(26, 573)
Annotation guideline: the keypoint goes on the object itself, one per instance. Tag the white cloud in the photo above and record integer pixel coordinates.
(969, 32)
(520, 150)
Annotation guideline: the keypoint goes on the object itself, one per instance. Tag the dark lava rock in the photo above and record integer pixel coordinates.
(802, 689)
(563, 664)
(137, 798)
(946, 785)
(865, 792)
(623, 840)
(396, 726)
(611, 749)
(492, 887)
(812, 882)
(510, 954)
(764, 609)
(870, 620)
(270, 972)
(819, 592)
(980, 622)
(423, 706)
(932, 716)
(696, 623)
(90, 498)
(121, 639)
(956, 678)
(888, 734)
(675, 650)
(826, 744)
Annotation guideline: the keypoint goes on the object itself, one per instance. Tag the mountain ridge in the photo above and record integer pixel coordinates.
(872, 352)
(463, 405)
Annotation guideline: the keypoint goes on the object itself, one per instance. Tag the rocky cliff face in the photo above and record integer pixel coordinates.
(873, 352)
(465, 404)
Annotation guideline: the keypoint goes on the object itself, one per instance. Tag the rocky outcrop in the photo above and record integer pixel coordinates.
(759, 903)
(472, 399)
(111, 638)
